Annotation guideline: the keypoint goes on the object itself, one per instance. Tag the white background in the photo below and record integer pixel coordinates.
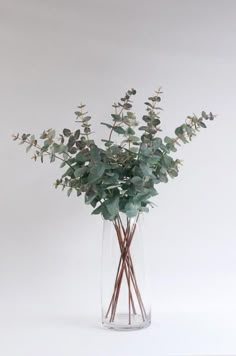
(55, 54)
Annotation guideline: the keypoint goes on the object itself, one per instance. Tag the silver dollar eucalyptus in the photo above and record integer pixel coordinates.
(117, 177)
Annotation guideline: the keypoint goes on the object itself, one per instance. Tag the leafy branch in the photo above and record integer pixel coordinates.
(42, 150)
(119, 176)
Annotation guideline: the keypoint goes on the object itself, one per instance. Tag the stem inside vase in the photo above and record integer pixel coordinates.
(125, 274)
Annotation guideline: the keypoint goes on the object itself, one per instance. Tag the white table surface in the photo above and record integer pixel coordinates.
(68, 334)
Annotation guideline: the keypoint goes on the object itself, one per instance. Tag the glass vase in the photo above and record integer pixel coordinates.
(125, 292)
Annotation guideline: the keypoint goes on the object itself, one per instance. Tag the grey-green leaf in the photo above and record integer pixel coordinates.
(112, 205)
(119, 130)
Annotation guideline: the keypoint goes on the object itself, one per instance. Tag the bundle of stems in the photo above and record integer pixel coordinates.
(125, 235)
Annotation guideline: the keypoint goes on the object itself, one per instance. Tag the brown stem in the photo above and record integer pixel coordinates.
(134, 281)
(126, 272)
(129, 297)
(141, 305)
(128, 243)
(112, 298)
(116, 279)
(119, 280)
(125, 266)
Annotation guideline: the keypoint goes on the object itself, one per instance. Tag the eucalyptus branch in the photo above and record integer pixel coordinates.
(189, 129)
(15, 137)
(118, 178)
(110, 135)
(126, 106)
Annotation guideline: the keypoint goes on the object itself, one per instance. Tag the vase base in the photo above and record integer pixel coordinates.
(121, 322)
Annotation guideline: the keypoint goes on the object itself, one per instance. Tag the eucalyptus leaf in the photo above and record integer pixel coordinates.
(119, 130)
(79, 172)
(107, 125)
(66, 132)
(112, 205)
(131, 209)
(89, 197)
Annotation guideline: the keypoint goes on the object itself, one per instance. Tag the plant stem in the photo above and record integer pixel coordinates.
(128, 240)
(125, 266)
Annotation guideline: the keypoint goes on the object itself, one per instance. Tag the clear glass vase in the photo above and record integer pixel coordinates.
(125, 292)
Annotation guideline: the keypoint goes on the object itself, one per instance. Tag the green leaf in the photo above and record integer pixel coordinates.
(86, 118)
(137, 180)
(78, 113)
(82, 157)
(69, 173)
(108, 143)
(77, 134)
(163, 177)
(148, 104)
(168, 161)
(146, 118)
(43, 135)
(98, 210)
(188, 129)
(171, 147)
(69, 191)
(72, 150)
(32, 137)
(28, 148)
(204, 115)
(211, 116)
(145, 195)
(173, 173)
(105, 213)
(156, 122)
(130, 131)
(66, 132)
(112, 205)
(89, 197)
(113, 186)
(127, 106)
(98, 169)
(142, 128)
(52, 158)
(168, 140)
(134, 139)
(202, 124)
(179, 131)
(107, 125)
(116, 117)
(146, 170)
(157, 142)
(62, 148)
(80, 144)
(79, 172)
(95, 154)
(119, 130)
(71, 141)
(87, 130)
(134, 149)
(81, 106)
(131, 209)
(96, 172)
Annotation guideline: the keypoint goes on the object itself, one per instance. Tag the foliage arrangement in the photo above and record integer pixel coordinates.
(121, 175)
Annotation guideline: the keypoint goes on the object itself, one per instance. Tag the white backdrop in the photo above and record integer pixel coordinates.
(55, 54)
